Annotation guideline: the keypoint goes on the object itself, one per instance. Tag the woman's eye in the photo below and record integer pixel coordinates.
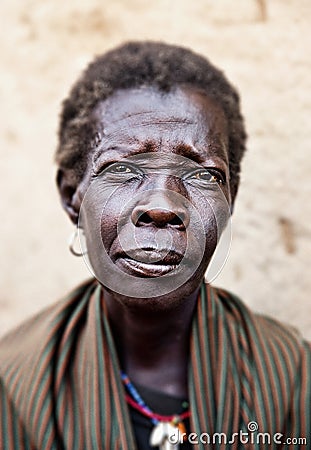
(119, 172)
(207, 176)
(121, 168)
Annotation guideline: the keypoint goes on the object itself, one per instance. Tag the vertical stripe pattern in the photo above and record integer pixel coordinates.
(60, 387)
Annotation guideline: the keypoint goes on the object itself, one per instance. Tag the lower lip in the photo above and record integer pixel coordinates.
(142, 269)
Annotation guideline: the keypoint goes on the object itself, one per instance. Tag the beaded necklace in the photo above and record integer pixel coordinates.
(167, 429)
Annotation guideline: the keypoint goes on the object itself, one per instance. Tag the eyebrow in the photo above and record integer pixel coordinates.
(197, 156)
(150, 146)
(135, 146)
(191, 151)
(120, 148)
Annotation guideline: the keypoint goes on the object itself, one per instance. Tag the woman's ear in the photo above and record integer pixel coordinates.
(67, 187)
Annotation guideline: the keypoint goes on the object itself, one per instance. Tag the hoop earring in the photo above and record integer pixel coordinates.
(72, 242)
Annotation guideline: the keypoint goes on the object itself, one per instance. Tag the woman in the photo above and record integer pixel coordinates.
(146, 355)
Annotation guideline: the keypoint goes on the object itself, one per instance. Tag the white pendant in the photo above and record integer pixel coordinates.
(166, 436)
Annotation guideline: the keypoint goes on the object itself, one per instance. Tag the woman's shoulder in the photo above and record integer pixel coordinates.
(24, 342)
(263, 330)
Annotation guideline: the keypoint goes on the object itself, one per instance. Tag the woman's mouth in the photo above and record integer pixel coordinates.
(149, 262)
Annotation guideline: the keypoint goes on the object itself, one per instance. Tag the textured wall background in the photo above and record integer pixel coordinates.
(44, 46)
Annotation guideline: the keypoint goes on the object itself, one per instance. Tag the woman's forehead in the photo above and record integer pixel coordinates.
(182, 105)
(148, 117)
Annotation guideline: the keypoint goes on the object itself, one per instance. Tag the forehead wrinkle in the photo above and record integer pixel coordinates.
(115, 127)
(118, 151)
(126, 133)
(168, 116)
(110, 121)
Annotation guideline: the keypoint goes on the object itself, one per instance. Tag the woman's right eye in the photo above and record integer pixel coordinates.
(120, 168)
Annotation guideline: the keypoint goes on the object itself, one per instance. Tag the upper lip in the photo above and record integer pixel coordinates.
(153, 256)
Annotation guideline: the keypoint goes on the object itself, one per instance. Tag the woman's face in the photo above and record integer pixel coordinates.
(158, 196)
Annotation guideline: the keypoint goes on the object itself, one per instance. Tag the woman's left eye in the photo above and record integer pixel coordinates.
(121, 168)
(208, 176)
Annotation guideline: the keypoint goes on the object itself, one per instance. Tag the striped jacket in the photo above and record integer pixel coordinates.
(249, 379)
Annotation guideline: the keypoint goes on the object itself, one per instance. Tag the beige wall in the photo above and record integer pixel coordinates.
(44, 45)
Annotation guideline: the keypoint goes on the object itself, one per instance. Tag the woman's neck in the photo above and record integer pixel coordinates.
(153, 345)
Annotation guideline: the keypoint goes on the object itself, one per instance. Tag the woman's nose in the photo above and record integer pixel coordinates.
(160, 211)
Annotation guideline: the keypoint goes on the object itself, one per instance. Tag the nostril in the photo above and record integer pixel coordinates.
(176, 221)
(160, 218)
(144, 219)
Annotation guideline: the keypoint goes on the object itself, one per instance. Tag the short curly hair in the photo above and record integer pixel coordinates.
(136, 64)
